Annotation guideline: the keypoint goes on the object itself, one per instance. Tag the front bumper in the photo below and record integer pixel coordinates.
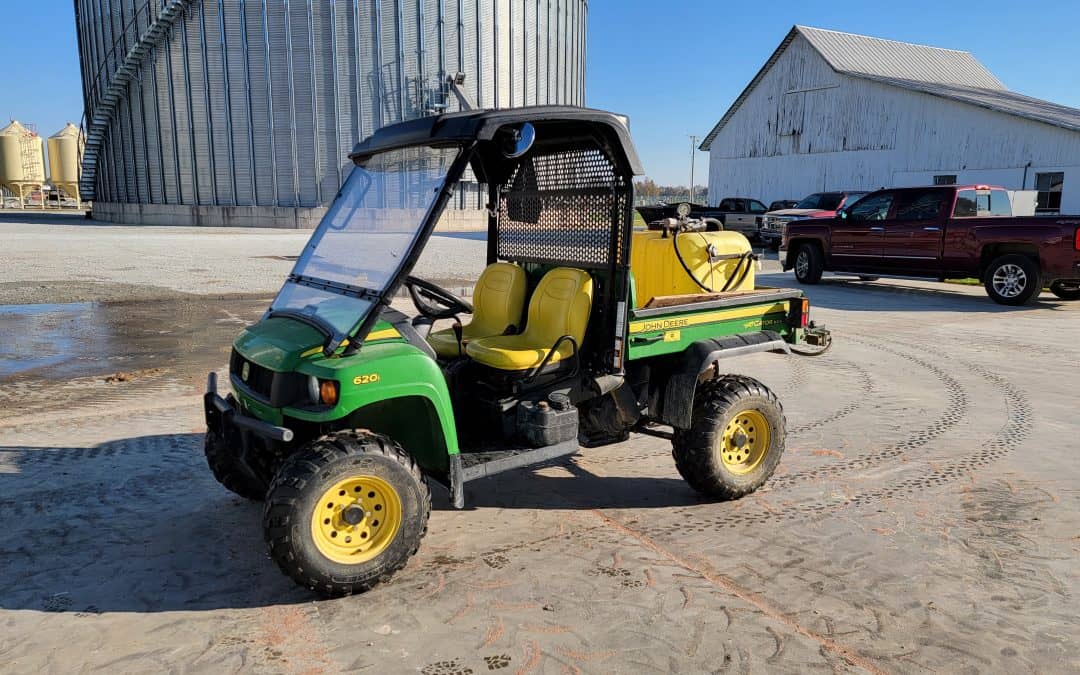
(224, 419)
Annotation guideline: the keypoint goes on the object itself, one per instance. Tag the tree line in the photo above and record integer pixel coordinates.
(647, 188)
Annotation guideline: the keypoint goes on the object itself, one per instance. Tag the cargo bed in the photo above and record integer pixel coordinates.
(669, 324)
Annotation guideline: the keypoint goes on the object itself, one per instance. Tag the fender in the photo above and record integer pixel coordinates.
(672, 399)
(798, 232)
(384, 372)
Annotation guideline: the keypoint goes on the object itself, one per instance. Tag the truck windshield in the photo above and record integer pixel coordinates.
(365, 238)
(827, 201)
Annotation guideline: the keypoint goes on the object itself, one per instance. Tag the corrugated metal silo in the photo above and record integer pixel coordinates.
(194, 104)
(65, 157)
(22, 160)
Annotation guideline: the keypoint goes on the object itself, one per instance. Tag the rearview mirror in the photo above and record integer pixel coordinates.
(516, 142)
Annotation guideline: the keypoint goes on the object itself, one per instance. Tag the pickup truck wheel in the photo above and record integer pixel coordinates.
(346, 513)
(1066, 291)
(735, 439)
(230, 472)
(809, 264)
(1013, 279)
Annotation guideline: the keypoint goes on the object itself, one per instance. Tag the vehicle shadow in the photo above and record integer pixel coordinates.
(140, 525)
(572, 488)
(135, 525)
(852, 294)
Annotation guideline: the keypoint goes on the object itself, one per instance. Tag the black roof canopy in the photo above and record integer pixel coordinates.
(552, 123)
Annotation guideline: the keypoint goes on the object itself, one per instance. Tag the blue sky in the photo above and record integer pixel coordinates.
(674, 67)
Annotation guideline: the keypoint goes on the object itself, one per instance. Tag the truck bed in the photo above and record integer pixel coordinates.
(668, 324)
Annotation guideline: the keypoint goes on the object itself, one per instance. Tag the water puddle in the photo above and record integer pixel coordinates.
(56, 341)
(37, 336)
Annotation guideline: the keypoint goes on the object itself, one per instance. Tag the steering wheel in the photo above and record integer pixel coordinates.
(435, 302)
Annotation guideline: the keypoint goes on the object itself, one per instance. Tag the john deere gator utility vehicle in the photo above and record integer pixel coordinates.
(580, 331)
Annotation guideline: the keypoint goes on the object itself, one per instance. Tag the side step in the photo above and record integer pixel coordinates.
(469, 466)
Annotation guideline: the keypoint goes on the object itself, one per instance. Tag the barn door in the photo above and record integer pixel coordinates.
(792, 110)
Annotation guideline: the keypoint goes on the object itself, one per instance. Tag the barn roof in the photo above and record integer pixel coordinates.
(1001, 100)
(940, 72)
(861, 55)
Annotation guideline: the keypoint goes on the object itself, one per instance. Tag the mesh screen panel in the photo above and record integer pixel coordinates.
(563, 208)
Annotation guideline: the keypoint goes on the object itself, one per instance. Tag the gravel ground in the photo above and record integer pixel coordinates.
(65, 258)
(924, 517)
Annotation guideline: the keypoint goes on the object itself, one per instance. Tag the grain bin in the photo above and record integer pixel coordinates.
(22, 160)
(201, 106)
(65, 155)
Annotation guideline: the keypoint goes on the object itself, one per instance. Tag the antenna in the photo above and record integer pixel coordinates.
(693, 158)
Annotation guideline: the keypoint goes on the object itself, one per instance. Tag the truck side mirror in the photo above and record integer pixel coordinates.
(842, 214)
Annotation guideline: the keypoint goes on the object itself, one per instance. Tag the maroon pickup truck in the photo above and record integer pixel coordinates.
(943, 232)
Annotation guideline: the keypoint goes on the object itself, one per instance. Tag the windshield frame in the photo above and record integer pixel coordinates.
(377, 299)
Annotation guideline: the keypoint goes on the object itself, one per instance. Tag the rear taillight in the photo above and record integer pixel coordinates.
(799, 313)
(1076, 240)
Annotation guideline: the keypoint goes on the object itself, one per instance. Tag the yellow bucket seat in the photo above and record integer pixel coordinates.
(560, 306)
(498, 301)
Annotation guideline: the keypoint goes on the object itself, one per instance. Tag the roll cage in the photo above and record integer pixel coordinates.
(566, 202)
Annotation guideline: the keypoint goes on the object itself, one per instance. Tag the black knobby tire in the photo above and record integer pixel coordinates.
(230, 472)
(297, 491)
(809, 271)
(1066, 291)
(997, 273)
(697, 450)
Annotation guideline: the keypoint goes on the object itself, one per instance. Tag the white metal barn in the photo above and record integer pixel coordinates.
(836, 111)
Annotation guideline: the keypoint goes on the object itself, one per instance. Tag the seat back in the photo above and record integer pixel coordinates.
(498, 299)
(560, 305)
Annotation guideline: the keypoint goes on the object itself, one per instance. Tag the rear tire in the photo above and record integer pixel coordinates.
(228, 470)
(1066, 291)
(809, 264)
(735, 440)
(1013, 279)
(346, 513)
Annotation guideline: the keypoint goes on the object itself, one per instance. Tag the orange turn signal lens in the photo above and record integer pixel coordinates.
(328, 392)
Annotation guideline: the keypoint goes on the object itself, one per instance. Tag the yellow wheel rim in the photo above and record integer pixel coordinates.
(745, 442)
(356, 519)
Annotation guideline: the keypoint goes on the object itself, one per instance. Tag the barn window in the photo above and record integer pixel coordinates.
(1049, 186)
(945, 179)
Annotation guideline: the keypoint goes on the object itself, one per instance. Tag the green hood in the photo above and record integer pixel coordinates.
(281, 343)
(278, 343)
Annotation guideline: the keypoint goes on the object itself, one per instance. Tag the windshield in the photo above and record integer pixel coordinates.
(365, 237)
(851, 198)
(811, 202)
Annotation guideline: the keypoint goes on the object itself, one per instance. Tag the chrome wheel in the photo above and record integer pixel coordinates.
(802, 264)
(1009, 280)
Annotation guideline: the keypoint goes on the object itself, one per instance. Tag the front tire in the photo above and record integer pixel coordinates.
(346, 513)
(809, 264)
(1013, 279)
(1066, 291)
(735, 440)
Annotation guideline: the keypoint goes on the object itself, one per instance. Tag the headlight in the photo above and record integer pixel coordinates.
(322, 392)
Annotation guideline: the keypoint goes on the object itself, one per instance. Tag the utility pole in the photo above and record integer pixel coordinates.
(693, 157)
